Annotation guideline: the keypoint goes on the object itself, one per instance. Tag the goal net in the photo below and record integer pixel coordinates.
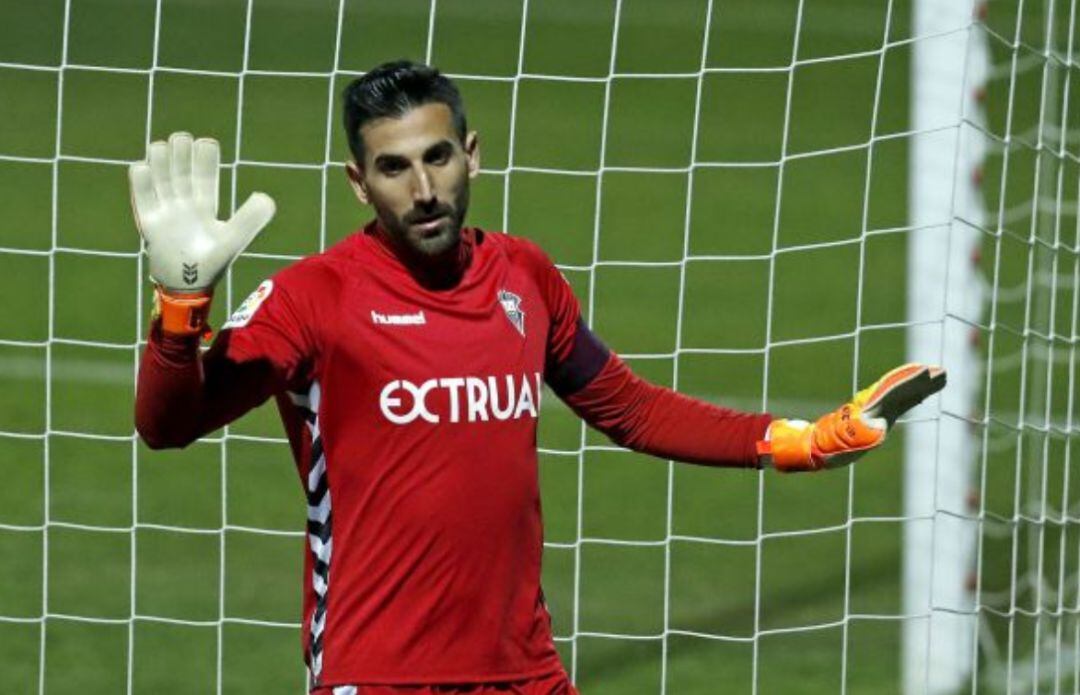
(1024, 582)
(766, 205)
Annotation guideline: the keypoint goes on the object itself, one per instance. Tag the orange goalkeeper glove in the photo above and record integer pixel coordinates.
(845, 434)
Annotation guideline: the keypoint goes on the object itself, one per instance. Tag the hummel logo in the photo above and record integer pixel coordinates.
(416, 319)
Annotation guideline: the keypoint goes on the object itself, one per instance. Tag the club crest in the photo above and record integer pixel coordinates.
(511, 304)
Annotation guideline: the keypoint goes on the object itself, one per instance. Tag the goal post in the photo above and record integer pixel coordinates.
(944, 291)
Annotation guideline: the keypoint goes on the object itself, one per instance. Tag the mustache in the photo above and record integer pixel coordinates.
(419, 216)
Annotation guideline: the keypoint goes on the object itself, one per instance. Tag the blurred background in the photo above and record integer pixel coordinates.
(724, 184)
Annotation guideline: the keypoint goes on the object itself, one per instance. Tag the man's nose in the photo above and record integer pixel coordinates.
(423, 191)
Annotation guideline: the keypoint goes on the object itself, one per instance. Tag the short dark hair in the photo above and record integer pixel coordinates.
(390, 91)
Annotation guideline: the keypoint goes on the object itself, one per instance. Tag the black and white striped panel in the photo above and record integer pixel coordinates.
(319, 525)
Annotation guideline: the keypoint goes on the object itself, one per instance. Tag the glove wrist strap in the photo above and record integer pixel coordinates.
(788, 447)
(182, 314)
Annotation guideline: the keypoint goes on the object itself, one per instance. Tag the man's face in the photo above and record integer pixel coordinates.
(416, 175)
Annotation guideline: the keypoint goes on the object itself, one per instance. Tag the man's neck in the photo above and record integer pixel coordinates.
(439, 272)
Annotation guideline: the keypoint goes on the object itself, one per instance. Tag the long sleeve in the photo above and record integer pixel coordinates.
(182, 396)
(633, 412)
(656, 420)
(268, 345)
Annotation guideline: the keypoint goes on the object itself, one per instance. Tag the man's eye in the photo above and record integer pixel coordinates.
(439, 157)
(391, 168)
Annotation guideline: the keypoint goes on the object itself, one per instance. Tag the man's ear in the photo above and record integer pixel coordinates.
(356, 180)
(472, 152)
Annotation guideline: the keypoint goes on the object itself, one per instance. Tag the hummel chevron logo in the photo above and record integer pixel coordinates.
(416, 319)
(191, 272)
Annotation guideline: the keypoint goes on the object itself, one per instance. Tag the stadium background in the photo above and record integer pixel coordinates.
(124, 548)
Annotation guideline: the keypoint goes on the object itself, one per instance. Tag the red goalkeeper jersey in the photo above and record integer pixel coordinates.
(412, 416)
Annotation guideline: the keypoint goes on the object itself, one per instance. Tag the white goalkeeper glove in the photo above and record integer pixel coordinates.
(174, 196)
(838, 438)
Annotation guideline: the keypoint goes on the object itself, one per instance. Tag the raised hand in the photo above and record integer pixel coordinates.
(174, 196)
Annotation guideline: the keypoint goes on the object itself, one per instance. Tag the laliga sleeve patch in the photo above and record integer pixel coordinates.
(249, 306)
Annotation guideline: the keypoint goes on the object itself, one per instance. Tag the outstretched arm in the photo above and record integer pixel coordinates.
(652, 419)
(656, 420)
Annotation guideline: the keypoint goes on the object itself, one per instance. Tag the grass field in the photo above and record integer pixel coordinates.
(158, 570)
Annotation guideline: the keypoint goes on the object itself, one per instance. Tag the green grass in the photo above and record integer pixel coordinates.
(92, 489)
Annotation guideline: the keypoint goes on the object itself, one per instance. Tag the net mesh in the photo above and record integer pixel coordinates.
(1027, 579)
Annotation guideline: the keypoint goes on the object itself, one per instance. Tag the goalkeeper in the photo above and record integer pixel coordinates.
(407, 363)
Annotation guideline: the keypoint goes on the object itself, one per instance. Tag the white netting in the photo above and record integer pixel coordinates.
(1027, 579)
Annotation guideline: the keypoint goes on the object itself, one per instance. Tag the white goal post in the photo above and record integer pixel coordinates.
(944, 302)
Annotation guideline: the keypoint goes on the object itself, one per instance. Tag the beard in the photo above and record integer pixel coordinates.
(429, 244)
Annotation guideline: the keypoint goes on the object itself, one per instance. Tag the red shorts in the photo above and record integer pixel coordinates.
(553, 684)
